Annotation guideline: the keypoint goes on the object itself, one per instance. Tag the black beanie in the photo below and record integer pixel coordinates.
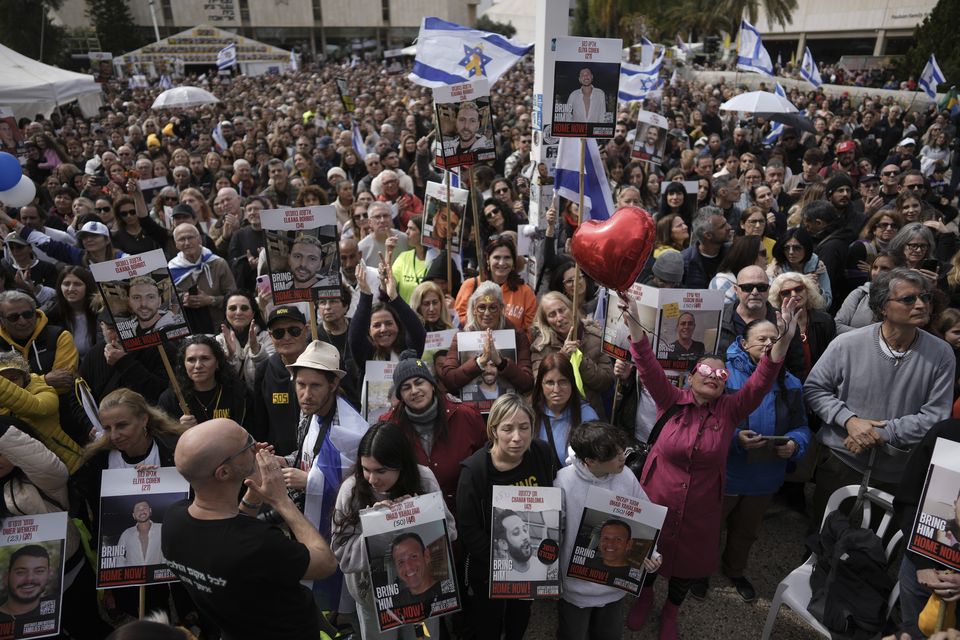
(837, 180)
(411, 366)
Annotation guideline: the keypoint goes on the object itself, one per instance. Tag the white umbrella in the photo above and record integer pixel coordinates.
(182, 97)
(759, 102)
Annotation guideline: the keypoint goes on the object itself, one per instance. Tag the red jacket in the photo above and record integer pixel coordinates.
(466, 432)
(408, 206)
(455, 376)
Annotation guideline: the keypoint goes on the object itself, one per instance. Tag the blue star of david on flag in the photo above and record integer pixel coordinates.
(475, 61)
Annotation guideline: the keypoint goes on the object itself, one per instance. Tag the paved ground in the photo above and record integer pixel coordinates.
(723, 615)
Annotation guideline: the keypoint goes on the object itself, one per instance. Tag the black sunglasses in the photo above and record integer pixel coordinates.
(278, 334)
(29, 314)
(103, 209)
(750, 287)
(127, 212)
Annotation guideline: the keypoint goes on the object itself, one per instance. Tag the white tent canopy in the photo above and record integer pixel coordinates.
(29, 87)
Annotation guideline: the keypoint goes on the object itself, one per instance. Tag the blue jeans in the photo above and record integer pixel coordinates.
(913, 597)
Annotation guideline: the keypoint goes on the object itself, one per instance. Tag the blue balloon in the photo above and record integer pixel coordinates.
(10, 171)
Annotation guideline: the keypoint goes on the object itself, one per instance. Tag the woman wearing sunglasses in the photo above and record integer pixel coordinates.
(136, 231)
(686, 466)
(794, 253)
(243, 337)
(817, 328)
(208, 383)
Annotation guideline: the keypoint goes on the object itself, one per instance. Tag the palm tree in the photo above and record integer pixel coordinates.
(777, 11)
(698, 18)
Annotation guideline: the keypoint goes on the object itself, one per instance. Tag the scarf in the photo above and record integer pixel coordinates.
(423, 424)
(180, 267)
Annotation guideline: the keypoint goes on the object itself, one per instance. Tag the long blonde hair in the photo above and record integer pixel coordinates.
(540, 323)
(158, 423)
(416, 299)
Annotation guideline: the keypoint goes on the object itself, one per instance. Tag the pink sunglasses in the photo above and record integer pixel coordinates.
(707, 371)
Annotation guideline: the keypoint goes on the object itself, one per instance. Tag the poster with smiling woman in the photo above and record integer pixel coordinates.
(411, 561)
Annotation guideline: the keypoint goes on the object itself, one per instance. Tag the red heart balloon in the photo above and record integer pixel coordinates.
(613, 252)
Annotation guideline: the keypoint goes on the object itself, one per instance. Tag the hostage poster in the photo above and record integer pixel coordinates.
(525, 542)
(302, 253)
(411, 562)
(32, 556)
(615, 535)
(489, 385)
(439, 220)
(464, 125)
(143, 301)
(586, 78)
(936, 528)
(132, 506)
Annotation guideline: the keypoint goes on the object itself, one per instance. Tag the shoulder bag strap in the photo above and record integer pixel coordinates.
(658, 427)
(553, 447)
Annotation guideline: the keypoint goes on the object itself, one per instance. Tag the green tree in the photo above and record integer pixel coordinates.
(26, 24)
(114, 25)
(936, 35)
(506, 29)
(699, 18)
(778, 12)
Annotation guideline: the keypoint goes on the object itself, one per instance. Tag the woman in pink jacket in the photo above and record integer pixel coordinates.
(686, 467)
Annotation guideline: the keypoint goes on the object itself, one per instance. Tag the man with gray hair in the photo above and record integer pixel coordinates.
(708, 245)
(403, 204)
(381, 226)
(243, 179)
(374, 166)
(48, 348)
(726, 195)
(883, 384)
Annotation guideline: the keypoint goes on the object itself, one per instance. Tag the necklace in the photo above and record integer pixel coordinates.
(206, 407)
(897, 359)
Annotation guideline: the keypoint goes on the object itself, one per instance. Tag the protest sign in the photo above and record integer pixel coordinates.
(525, 542)
(936, 528)
(436, 346)
(375, 395)
(132, 506)
(586, 81)
(143, 302)
(302, 253)
(32, 546)
(346, 97)
(438, 218)
(489, 385)
(464, 126)
(410, 559)
(651, 138)
(615, 534)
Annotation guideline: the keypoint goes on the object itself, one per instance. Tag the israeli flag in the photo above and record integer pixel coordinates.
(454, 177)
(218, 138)
(809, 71)
(227, 57)
(753, 55)
(449, 53)
(294, 63)
(356, 139)
(931, 77)
(639, 83)
(777, 130)
(597, 200)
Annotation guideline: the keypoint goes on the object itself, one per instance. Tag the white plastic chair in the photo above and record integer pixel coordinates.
(794, 590)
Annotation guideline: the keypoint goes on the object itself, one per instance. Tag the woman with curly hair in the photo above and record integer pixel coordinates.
(210, 386)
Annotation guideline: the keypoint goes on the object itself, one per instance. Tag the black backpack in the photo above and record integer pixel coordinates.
(850, 583)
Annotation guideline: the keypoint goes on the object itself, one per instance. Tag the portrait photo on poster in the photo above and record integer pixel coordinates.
(464, 125)
(936, 529)
(687, 335)
(140, 295)
(439, 219)
(32, 564)
(651, 137)
(412, 576)
(586, 77)
(302, 253)
(525, 536)
(610, 550)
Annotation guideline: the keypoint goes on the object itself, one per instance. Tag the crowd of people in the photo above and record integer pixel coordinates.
(836, 251)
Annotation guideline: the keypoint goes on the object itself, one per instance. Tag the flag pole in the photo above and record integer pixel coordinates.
(576, 270)
(173, 381)
(449, 239)
(313, 319)
(476, 222)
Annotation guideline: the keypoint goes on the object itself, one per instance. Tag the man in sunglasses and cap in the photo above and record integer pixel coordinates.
(275, 407)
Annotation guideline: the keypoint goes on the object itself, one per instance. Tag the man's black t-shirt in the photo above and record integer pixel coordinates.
(243, 573)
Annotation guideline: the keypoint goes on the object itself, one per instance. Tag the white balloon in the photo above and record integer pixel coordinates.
(21, 195)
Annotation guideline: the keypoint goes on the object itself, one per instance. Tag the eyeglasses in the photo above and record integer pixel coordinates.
(709, 372)
(917, 246)
(792, 248)
(487, 308)
(788, 293)
(886, 225)
(239, 307)
(913, 187)
(755, 223)
(250, 444)
(556, 384)
(750, 287)
(491, 213)
(29, 314)
(503, 190)
(127, 212)
(278, 334)
(103, 209)
(171, 199)
(889, 174)
(911, 300)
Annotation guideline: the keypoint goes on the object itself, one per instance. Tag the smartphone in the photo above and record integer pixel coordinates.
(930, 264)
(100, 181)
(776, 441)
(193, 290)
(263, 283)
